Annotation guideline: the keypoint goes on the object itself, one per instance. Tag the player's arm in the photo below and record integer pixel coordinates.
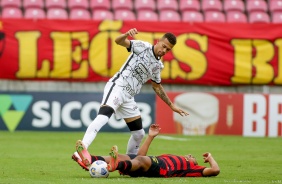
(214, 168)
(153, 132)
(123, 40)
(159, 90)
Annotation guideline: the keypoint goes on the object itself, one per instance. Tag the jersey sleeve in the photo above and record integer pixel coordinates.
(197, 171)
(156, 77)
(138, 46)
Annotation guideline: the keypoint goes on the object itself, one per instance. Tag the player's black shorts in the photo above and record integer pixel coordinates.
(132, 156)
(156, 167)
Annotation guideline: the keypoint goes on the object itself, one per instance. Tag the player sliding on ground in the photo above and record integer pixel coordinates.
(140, 165)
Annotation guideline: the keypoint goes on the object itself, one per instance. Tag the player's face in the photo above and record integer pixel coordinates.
(191, 158)
(162, 47)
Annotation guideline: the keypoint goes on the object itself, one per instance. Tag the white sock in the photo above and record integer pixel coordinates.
(77, 155)
(93, 129)
(134, 141)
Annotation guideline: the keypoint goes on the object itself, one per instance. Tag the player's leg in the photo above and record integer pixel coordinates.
(77, 159)
(140, 163)
(132, 116)
(102, 118)
(86, 156)
(104, 114)
(108, 107)
(112, 165)
(137, 133)
(83, 153)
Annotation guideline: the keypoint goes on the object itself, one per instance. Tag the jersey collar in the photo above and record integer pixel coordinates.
(157, 57)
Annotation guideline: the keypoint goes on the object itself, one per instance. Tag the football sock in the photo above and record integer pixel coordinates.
(134, 141)
(93, 129)
(124, 166)
(94, 158)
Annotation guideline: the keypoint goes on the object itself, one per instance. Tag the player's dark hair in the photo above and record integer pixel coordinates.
(170, 37)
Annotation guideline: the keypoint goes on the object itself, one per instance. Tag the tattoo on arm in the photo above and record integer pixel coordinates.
(162, 94)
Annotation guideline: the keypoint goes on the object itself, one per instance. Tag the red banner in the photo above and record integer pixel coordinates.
(205, 54)
(255, 115)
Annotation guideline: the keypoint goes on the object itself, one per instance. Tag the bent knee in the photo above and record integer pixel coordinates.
(138, 134)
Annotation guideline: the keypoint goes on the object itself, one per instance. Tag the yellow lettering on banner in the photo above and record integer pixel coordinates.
(62, 55)
(249, 69)
(278, 79)
(105, 56)
(242, 61)
(195, 59)
(98, 54)
(45, 69)
(264, 53)
(27, 53)
(83, 39)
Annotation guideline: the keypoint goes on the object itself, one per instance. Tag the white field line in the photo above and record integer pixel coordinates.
(172, 138)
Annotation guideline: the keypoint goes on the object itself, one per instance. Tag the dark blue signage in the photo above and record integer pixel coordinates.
(53, 111)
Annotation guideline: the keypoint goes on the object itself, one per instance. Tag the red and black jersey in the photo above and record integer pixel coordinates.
(180, 166)
(169, 166)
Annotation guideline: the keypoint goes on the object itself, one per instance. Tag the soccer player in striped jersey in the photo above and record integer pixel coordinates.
(166, 165)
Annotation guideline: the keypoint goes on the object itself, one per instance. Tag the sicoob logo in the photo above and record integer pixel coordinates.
(13, 108)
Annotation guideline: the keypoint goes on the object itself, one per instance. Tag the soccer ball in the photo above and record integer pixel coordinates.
(98, 169)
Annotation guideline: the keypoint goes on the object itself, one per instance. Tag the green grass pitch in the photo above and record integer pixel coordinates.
(45, 157)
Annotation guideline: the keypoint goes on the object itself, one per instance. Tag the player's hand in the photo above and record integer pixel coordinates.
(132, 32)
(206, 157)
(178, 110)
(154, 130)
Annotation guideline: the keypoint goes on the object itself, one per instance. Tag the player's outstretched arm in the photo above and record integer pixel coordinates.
(153, 132)
(214, 168)
(159, 90)
(122, 39)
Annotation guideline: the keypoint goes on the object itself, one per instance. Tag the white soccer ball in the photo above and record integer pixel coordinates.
(98, 169)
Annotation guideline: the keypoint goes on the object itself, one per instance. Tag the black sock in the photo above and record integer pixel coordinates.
(124, 166)
(94, 158)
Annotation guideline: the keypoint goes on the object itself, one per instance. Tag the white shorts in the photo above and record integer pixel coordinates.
(123, 104)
